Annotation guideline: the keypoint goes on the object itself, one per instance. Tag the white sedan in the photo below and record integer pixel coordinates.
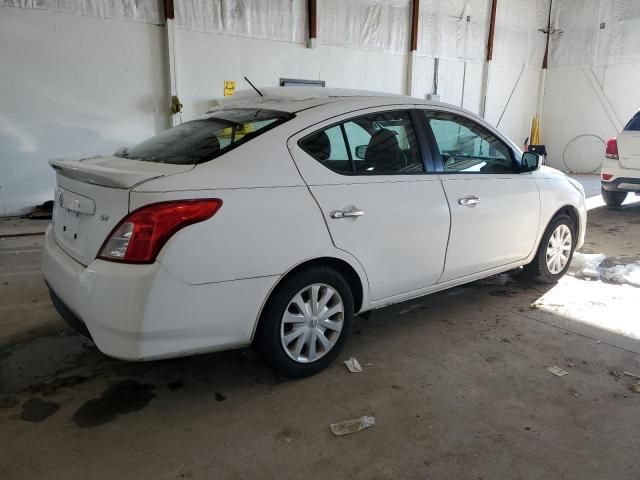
(274, 219)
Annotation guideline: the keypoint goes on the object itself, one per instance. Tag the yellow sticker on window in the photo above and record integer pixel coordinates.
(229, 87)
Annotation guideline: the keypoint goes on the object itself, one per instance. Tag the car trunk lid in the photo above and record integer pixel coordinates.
(92, 196)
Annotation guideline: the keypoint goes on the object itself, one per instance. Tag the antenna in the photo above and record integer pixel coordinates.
(253, 86)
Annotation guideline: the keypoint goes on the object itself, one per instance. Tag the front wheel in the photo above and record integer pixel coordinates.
(306, 322)
(555, 251)
(613, 198)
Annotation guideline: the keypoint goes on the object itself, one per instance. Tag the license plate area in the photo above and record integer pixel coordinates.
(68, 224)
(72, 214)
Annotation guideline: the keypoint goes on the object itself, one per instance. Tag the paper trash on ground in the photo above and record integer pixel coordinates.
(352, 426)
(557, 371)
(353, 365)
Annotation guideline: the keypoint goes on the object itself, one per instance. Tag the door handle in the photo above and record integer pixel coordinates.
(354, 212)
(469, 201)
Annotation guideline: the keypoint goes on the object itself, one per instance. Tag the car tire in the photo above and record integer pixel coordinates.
(613, 198)
(293, 329)
(550, 264)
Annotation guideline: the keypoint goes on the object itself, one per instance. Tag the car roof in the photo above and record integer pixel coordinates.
(297, 99)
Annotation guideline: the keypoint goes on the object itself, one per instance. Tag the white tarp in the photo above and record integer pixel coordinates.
(595, 32)
(282, 20)
(144, 11)
(518, 39)
(381, 25)
(454, 29)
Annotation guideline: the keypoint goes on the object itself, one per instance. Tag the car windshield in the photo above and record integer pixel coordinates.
(203, 139)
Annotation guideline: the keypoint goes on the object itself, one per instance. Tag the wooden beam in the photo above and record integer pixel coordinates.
(415, 13)
(312, 13)
(168, 9)
(492, 30)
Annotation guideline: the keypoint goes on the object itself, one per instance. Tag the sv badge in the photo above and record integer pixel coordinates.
(104, 217)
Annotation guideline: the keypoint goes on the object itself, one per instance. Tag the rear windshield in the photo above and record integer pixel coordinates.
(200, 140)
(634, 124)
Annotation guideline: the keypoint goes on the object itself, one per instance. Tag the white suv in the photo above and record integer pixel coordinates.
(621, 168)
(274, 219)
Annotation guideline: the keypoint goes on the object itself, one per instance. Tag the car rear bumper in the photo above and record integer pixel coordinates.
(622, 184)
(143, 312)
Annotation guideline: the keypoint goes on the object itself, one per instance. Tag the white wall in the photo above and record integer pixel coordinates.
(205, 60)
(77, 85)
(592, 84)
(72, 86)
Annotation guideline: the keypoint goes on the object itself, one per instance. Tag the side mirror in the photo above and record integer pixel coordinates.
(361, 151)
(530, 162)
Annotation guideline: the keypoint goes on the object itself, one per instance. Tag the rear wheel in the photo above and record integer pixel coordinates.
(555, 251)
(613, 198)
(306, 322)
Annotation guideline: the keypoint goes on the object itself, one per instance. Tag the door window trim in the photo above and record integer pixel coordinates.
(435, 150)
(424, 150)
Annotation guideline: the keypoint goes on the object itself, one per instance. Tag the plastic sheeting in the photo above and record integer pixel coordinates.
(143, 11)
(518, 40)
(454, 29)
(595, 32)
(381, 25)
(283, 20)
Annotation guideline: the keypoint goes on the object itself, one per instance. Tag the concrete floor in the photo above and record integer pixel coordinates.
(456, 382)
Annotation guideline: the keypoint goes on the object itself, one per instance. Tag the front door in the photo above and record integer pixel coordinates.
(367, 175)
(495, 211)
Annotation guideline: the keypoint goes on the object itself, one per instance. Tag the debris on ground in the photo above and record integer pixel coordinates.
(615, 374)
(632, 375)
(574, 392)
(571, 365)
(353, 365)
(635, 388)
(41, 212)
(557, 371)
(348, 427)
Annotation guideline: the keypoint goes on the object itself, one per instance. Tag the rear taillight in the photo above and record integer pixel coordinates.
(612, 149)
(606, 176)
(140, 235)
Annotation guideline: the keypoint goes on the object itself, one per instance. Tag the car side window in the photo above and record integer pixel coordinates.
(466, 147)
(634, 124)
(328, 147)
(382, 143)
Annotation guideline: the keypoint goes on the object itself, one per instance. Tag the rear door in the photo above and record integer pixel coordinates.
(495, 211)
(366, 172)
(629, 144)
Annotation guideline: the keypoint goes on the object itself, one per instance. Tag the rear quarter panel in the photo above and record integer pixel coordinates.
(268, 223)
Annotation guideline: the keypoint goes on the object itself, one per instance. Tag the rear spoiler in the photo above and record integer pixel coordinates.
(114, 172)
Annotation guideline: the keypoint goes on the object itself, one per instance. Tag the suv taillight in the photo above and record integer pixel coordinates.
(612, 149)
(140, 235)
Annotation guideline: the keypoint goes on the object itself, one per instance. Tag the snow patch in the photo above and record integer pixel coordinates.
(586, 265)
(589, 265)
